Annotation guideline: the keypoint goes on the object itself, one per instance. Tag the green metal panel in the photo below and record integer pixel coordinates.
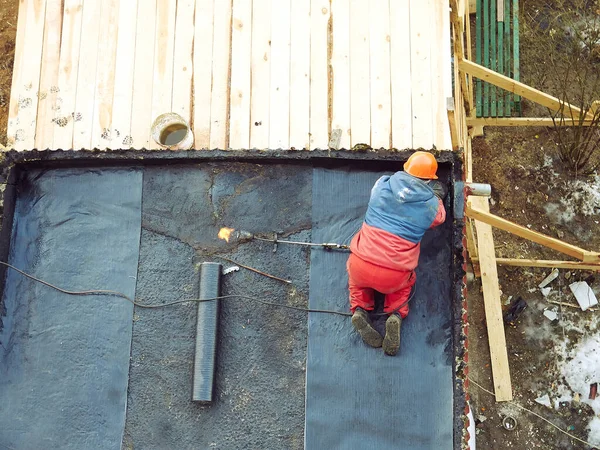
(516, 72)
(507, 60)
(486, 55)
(478, 51)
(501, 66)
(493, 51)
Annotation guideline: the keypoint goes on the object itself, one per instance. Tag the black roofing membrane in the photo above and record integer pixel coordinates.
(94, 372)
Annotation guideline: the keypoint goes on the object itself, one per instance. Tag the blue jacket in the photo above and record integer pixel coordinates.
(402, 205)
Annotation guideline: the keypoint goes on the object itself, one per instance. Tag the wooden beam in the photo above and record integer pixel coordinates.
(519, 88)
(472, 6)
(452, 123)
(518, 262)
(493, 307)
(527, 122)
(555, 244)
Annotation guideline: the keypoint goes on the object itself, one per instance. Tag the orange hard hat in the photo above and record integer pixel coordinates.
(421, 165)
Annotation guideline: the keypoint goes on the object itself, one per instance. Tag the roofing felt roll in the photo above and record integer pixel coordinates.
(357, 397)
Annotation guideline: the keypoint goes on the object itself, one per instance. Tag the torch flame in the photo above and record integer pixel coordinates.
(225, 233)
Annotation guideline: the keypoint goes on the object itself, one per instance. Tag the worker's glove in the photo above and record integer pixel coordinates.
(439, 189)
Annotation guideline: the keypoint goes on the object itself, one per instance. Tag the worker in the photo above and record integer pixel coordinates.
(385, 251)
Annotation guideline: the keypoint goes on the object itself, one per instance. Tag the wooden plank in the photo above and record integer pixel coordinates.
(452, 122)
(13, 108)
(360, 91)
(241, 47)
(86, 77)
(47, 96)
(261, 74)
(219, 104)
(319, 73)
(143, 76)
(517, 87)
(420, 66)
(518, 262)
(164, 54)
(279, 109)
(533, 236)
(401, 75)
(67, 74)
(500, 9)
(529, 122)
(472, 6)
(23, 107)
(469, 56)
(203, 50)
(300, 76)
(493, 307)
(102, 134)
(183, 66)
(441, 83)
(472, 247)
(124, 73)
(340, 64)
(381, 107)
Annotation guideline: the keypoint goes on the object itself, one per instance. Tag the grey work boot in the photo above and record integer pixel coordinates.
(362, 324)
(391, 341)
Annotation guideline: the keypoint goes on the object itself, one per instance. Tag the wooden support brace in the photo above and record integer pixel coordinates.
(519, 88)
(459, 52)
(493, 307)
(573, 265)
(511, 227)
(472, 247)
(452, 122)
(527, 122)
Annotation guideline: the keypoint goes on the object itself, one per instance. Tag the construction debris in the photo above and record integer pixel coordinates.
(549, 279)
(584, 294)
(593, 391)
(544, 400)
(545, 291)
(552, 315)
(514, 311)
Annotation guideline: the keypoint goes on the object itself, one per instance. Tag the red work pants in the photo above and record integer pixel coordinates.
(364, 278)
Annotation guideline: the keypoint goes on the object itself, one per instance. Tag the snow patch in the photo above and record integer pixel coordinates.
(579, 370)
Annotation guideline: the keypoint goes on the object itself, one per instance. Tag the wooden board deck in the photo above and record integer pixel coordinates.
(261, 74)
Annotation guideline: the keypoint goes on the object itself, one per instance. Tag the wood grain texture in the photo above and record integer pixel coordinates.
(360, 71)
(22, 115)
(48, 92)
(260, 74)
(67, 74)
(300, 75)
(202, 79)
(183, 66)
(141, 118)
(241, 48)
(340, 64)
(86, 76)
(219, 108)
(319, 120)
(279, 110)
(124, 75)
(381, 107)
(401, 75)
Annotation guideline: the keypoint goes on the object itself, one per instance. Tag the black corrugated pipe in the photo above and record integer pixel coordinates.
(206, 333)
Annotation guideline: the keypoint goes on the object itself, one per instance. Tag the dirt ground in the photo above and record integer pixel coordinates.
(8, 30)
(525, 180)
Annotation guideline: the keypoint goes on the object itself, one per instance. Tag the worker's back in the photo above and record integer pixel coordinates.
(401, 209)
